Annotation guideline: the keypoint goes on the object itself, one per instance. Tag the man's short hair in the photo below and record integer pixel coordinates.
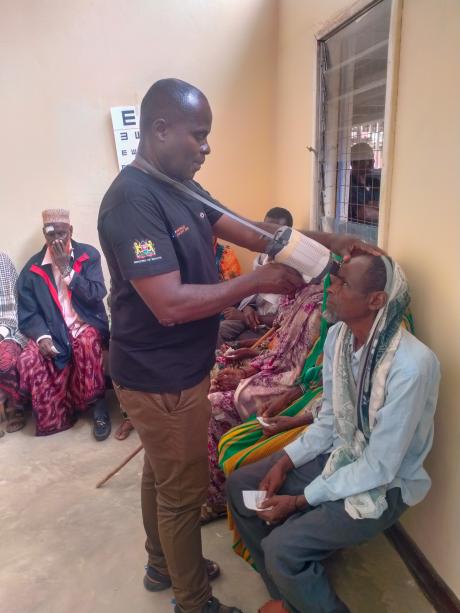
(167, 98)
(374, 278)
(361, 151)
(277, 212)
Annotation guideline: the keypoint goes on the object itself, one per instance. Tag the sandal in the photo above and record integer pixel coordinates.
(209, 514)
(16, 420)
(124, 429)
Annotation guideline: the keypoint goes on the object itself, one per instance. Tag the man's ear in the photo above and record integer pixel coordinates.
(377, 300)
(71, 231)
(159, 128)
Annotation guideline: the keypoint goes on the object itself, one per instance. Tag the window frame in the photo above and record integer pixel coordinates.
(394, 43)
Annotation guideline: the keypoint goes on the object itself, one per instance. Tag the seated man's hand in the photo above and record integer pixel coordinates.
(276, 476)
(46, 348)
(59, 255)
(232, 313)
(251, 318)
(280, 508)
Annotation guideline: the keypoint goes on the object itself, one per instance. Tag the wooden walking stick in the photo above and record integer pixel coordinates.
(263, 338)
(120, 466)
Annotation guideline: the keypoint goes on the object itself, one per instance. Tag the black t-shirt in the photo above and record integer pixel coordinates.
(147, 228)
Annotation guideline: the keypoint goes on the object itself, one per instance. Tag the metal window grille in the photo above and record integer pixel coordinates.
(352, 71)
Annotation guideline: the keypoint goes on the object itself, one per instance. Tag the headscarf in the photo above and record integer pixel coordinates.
(364, 398)
(8, 299)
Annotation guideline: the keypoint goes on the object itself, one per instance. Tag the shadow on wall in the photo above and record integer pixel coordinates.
(29, 243)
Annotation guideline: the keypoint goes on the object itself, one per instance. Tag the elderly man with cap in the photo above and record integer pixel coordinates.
(364, 186)
(60, 310)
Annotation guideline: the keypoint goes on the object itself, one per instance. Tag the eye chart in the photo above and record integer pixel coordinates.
(125, 121)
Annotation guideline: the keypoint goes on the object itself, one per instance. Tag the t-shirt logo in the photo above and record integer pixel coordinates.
(144, 249)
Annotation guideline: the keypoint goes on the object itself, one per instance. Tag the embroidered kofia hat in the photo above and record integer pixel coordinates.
(55, 216)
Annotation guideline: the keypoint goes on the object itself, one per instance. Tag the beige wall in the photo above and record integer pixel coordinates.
(424, 234)
(64, 64)
(424, 219)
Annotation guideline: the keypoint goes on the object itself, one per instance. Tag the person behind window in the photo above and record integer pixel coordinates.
(364, 186)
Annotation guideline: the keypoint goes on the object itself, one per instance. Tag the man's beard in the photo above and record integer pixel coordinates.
(330, 317)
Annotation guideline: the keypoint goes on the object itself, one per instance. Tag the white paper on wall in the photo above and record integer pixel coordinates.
(125, 121)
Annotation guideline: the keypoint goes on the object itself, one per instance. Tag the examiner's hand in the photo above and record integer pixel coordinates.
(348, 246)
(277, 279)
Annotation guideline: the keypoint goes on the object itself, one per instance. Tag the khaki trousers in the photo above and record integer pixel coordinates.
(173, 429)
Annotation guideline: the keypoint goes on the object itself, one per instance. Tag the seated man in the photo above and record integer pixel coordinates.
(256, 313)
(11, 344)
(360, 465)
(61, 311)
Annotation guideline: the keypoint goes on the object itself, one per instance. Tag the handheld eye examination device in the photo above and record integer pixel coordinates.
(286, 246)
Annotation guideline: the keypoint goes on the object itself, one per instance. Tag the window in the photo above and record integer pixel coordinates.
(352, 80)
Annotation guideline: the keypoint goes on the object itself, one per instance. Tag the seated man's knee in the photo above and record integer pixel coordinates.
(245, 478)
(276, 554)
(234, 486)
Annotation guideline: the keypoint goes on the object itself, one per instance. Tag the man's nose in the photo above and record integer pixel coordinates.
(205, 148)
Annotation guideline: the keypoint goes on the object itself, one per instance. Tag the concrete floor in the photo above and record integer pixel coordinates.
(69, 548)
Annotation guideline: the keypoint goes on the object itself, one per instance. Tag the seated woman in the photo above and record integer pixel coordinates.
(11, 345)
(264, 384)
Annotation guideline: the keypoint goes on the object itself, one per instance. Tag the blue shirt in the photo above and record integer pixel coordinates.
(401, 437)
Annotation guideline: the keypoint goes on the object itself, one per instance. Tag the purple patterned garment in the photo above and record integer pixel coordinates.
(278, 368)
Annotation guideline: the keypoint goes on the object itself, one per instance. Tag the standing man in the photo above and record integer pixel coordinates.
(166, 299)
(62, 313)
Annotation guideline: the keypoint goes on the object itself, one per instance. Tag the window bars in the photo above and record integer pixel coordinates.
(352, 70)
